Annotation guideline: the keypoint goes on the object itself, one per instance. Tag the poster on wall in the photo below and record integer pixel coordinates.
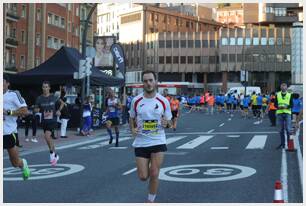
(104, 58)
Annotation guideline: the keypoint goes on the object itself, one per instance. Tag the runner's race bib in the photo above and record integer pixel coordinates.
(150, 125)
(48, 114)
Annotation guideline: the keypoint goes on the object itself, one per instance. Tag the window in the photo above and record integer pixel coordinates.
(156, 17)
(263, 41)
(151, 44)
(286, 57)
(239, 41)
(232, 57)
(255, 41)
(269, 10)
(232, 41)
(22, 61)
(55, 44)
(248, 41)
(212, 59)
(69, 7)
(205, 43)
(76, 31)
(23, 11)
(256, 58)
(183, 60)
(224, 41)
(161, 44)
(77, 11)
(239, 57)
(175, 60)
(190, 59)
(56, 20)
(37, 43)
(37, 61)
(287, 41)
(62, 43)
(183, 43)
(197, 43)
(279, 41)
(168, 44)
(271, 41)
(38, 15)
(190, 43)
(197, 60)
(49, 18)
(279, 58)
(187, 24)
(148, 45)
(271, 58)
(23, 37)
(49, 42)
(212, 44)
(280, 11)
(263, 58)
(161, 60)
(69, 26)
(168, 60)
(175, 43)
(205, 60)
(224, 57)
(62, 22)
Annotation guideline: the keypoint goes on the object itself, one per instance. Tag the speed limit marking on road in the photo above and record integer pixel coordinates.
(205, 173)
(42, 171)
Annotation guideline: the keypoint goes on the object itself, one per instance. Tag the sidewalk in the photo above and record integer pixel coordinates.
(72, 134)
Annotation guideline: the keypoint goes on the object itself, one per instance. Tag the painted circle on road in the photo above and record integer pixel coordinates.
(41, 171)
(205, 173)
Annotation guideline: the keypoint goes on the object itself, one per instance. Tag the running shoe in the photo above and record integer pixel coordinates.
(26, 173)
(54, 160)
(34, 140)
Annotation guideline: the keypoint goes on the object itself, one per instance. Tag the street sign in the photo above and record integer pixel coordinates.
(88, 66)
(82, 68)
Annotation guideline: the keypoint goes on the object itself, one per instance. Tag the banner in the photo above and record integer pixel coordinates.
(118, 54)
(103, 57)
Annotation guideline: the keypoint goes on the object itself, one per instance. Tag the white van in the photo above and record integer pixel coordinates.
(249, 90)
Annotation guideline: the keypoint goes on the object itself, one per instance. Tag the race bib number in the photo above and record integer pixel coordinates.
(48, 114)
(150, 125)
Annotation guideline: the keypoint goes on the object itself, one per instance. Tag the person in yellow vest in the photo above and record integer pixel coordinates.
(284, 104)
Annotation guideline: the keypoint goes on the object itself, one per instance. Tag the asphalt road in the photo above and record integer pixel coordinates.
(210, 159)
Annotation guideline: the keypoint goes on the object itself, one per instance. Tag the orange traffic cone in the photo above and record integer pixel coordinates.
(278, 193)
(291, 144)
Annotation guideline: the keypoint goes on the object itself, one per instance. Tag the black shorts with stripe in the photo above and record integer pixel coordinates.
(145, 152)
(9, 141)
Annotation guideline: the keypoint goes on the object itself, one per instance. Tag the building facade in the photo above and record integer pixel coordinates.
(34, 32)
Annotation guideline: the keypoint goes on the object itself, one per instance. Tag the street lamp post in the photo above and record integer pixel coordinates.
(84, 35)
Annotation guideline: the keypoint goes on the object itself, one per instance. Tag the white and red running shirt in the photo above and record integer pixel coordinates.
(148, 113)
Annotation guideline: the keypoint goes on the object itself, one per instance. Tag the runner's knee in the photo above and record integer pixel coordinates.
(143, 177)
(154, 172)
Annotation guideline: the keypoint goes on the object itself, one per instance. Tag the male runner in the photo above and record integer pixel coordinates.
(13, 106)
(45, 104)
(175, 106)
(113, 106)
(150, 113)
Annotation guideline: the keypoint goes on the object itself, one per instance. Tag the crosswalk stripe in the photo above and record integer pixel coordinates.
(174, 139)
(219, 148)
(257, 142)
(102, 144)
(233, 136)
(195, 142)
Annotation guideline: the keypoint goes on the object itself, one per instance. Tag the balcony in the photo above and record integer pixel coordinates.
(11, 42)
(12, 15)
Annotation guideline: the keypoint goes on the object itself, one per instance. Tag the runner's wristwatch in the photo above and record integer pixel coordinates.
(9, 112)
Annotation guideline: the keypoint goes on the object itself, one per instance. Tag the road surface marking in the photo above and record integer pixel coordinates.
(210, 131)
(229, 119)
(117, 148)
(130, 171)
(219, 148)
(284, 175)
(195, 142)
(175, 153)
(225, 133)
(174, 139)
(258, 142)
(221, 125)
(299, 155)
(234, 136)
(102, 144)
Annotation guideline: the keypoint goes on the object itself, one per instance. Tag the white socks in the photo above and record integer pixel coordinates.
(151, 197)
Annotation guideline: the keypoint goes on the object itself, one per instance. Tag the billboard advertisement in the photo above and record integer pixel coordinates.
(104, 58)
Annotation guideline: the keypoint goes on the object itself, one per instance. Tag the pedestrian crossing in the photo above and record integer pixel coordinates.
(185, 142)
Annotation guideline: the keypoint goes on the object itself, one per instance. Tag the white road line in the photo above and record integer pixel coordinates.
(234, 136)
(229, 119)
(284, 175)
(258, 142)
(225, 133)
(102, 144)
(299, 155)
(130, 171)
(195, 142)
(174, 139)
(118, 148)
(219, 148)
(221, 125)
(210, 131)
(175, 153)
(81, 143)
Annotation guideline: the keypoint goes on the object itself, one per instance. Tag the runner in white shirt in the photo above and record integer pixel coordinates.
(150, 113)
(13, 106)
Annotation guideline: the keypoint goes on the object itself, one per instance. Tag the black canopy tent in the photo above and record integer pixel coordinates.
(59, 69)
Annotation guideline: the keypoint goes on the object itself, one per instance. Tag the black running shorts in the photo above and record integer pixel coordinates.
(9, 141)
(145, 152)
(114, 120)
(174, 114)
(49, 126)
